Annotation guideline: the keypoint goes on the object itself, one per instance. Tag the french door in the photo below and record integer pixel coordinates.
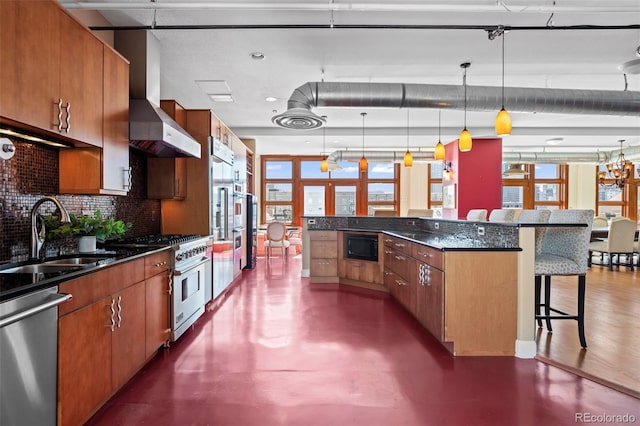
(330, 199)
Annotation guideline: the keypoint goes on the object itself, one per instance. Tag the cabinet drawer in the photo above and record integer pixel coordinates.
(398, 244)
(156, 263)
(324, 249)
(399, 263)
(429, 255)
(323, 267)
(323, 235)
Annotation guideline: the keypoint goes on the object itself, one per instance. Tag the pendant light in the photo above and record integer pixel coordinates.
(408, 158)
(324, 165)
(503, 119)
(364, 164)
(464, 140)
(439, 152)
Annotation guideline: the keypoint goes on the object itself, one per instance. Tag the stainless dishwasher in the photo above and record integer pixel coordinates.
(29, 358)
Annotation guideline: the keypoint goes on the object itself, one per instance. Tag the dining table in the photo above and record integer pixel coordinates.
(602, 233)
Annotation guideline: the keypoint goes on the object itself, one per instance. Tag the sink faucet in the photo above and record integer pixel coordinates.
(38, 231)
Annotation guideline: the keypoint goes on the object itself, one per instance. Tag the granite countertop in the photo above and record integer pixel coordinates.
(448, 242)
(17, 284)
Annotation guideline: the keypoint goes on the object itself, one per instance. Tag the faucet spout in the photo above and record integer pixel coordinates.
(37, 226)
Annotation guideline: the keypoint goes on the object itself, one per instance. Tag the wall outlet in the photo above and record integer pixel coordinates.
(436, 225)
(311, 221)
(480, 230)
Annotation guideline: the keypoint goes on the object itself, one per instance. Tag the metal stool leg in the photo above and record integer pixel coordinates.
(547, 301)
(581, 290)
(538, 281)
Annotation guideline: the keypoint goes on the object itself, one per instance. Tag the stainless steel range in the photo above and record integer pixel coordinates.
(190, 274)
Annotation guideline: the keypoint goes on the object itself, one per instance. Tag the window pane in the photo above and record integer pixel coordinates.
(547, 192)
(547, 171)
(381, 170)
(512, 197)
(279, 192)
(609, 193)
(610, 211)
(381, 192)
(436, 192)
(279, 213)
(436, 170)
(311, 170)
(349, 171)
(314, 200)
(279, 169)
(345, 200)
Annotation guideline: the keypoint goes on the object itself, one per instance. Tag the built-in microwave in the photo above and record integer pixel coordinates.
(361, 246)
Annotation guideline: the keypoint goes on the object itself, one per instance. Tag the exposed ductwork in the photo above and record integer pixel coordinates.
(479, 98)
(631, 154)
(150, 128)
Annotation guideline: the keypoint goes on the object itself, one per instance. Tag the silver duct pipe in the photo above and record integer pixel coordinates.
(479, 98)
(631, 154)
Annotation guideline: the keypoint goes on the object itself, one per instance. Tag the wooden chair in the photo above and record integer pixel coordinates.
(276, 238)
(294, 237)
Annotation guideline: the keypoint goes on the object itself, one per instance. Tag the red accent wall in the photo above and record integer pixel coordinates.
(476, 175)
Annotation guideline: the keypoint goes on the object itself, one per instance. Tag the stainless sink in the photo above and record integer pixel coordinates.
(76, 261)
(41, 268)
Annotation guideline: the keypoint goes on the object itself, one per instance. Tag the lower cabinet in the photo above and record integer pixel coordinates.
(430, 299)
(115, 322)
(323, 255)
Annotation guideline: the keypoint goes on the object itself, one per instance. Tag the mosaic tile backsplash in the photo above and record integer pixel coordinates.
(33, 173)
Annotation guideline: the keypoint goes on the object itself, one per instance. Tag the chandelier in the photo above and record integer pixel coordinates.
(618, 172)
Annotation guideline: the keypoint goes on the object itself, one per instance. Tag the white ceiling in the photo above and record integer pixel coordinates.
(552, 58)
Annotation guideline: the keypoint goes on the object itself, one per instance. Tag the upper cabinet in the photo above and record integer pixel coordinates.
(53, 79)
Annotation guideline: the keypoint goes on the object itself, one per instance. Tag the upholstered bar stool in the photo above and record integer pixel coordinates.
(564, 252)
(502, 215)
(477, 215)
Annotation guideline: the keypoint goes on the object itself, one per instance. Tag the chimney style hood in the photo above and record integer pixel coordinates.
(150, 128)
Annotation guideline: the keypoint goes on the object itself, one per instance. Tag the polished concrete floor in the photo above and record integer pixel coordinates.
(277, 351)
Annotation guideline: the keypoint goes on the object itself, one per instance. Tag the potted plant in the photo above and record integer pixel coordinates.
(88, 228)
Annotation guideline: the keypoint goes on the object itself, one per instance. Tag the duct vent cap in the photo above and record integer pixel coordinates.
(298, 119)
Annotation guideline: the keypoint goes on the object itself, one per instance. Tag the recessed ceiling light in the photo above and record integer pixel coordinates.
(221, 97)
(258, 56)
(555, 141)
(270, 99)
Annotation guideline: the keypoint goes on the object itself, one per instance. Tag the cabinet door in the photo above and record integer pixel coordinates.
(115, 141)
(166, 178)
(81, 67)
(431, 291)
(323, 267)
(157, 327)
(84, 362)
(31, 76)
(128, 346)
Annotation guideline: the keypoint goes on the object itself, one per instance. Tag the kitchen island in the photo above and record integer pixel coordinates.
(461, 280)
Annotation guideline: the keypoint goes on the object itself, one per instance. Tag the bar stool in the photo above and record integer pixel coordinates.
(502, 215)
(564, 252)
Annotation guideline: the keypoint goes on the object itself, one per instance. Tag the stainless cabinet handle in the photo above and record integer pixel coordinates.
(170, 283)
(399, 245)
(388, 252)
(68, 120)
(425, 254)
(400, 257)
(55, 301)
(112, 326)
(119, 311)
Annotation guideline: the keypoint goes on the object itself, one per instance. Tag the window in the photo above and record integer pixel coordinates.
(434, 197)
(382, 187)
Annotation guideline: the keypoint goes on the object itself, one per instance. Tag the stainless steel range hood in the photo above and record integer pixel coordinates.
(150, 128)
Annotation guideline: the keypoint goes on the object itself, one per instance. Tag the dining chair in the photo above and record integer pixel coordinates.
(477, 215)
(385, 212)
(564, 252)
(294, 236)
(276, 238)
(600, 222)
(502, 215)
(536, 216)
(420, 213)
(619, 242)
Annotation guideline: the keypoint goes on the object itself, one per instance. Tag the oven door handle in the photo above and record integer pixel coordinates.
(188, 268)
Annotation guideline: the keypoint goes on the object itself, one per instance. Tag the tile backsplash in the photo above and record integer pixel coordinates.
(33, 173)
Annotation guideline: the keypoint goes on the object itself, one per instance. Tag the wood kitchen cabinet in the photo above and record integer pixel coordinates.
(104, 171)
(55, 73)
(361, 273)
(323, 252)
(157, 299)
(100, 338)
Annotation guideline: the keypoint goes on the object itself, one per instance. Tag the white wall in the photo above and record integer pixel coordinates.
(413, 187)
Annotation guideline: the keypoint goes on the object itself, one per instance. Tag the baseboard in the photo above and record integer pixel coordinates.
(526, 349)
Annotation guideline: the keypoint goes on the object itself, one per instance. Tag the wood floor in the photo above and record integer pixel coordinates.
(612, 328)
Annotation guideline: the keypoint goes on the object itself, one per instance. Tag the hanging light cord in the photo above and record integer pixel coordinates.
(503, 70)
(363, 115)
(407, 130)
(439, 112)
(464, 82)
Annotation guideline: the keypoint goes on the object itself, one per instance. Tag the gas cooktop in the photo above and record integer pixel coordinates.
(159, 240)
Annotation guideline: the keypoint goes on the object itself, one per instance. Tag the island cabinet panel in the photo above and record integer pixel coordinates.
(359, 272)
(323, 252)
(430, 299)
